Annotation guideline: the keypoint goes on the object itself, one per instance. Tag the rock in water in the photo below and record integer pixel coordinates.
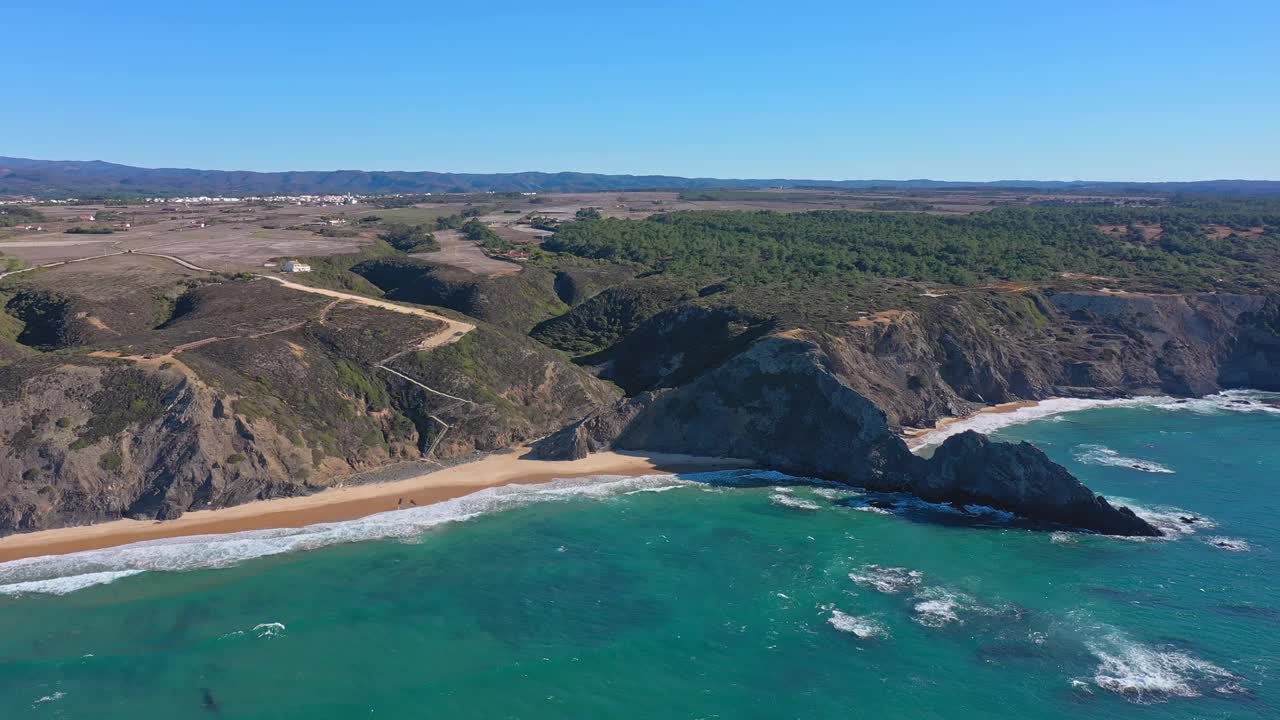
(969, 468)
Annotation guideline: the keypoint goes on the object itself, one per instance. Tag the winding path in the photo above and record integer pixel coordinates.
(452, 332)
(171, 258)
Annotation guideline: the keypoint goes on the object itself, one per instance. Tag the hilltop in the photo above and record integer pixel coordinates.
(64, 178)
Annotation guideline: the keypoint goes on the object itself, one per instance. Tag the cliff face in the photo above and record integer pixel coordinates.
(954, 356)
(242, 397)
(87, 443)
(951, 355)
(784, 404)
(1254, 360)
(779, 404)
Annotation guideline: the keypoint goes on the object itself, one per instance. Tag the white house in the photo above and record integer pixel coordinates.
(294, 266)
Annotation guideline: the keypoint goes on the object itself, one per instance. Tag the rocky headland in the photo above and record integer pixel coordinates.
(228, 391)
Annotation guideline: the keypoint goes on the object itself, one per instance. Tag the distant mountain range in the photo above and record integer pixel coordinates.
(67, 178)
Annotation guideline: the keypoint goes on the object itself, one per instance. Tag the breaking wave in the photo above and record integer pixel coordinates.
(937, 607)
(863, 627)
(937, 613)
(1103, 455)
(888, 580)
(1061, 537)
(1226, 401)
(1146, 674)
(66, 584)
(61, 574)
(791, 501)
(1173, 522)
(835, 494)
(989, 422)
(1229, 544)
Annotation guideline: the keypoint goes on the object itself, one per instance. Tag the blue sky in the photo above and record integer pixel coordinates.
(1118, 90)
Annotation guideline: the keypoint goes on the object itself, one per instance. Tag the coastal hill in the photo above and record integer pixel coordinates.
(95, 178)
(805, 342)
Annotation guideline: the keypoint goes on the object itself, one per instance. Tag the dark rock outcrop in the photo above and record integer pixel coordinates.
(777, 404)
(969, 468)
(591, 434)
(1254, 360)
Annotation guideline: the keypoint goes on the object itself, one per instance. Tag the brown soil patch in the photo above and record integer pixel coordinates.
(1221, 232)
(884, 317)
(1149, 232)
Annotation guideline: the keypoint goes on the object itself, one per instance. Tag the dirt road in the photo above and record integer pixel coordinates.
(459, 252)
(453, 331)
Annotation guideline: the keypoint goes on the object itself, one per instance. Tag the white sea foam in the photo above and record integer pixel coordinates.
(1173, 522)
(64, 585)
(937, 607)
(1226, 401)
(834, 494)
(1145, 674)
(1059, 537)
(863, 627)
(936, 613)
(793, 502)
(888, 580)
(49, 698)
(60, 574)
(989, 422)
(1103, 455)
(269, 629)
(1229, 544)
(870, 509)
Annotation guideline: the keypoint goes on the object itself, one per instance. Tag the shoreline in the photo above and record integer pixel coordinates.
(341, 503)
(917, 438)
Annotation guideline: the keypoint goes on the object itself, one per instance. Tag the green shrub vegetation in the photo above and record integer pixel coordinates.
(409, 238)
(1013, 243)
(111, 460)
(11, 215)
(127, 396)
(476, 231)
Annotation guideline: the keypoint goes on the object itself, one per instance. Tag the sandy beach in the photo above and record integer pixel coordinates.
(349, 503)
(915, 437)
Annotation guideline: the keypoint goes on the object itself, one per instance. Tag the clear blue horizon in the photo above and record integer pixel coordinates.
(1141, 91)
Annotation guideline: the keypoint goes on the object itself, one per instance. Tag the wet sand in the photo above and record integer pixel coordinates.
(349, 503)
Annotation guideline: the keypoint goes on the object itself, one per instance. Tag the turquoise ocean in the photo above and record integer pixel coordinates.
(723, 595)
